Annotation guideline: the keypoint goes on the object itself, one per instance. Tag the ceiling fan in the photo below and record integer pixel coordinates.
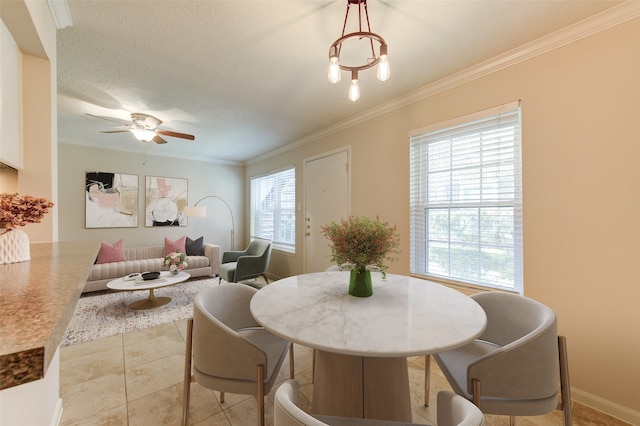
(144, 127)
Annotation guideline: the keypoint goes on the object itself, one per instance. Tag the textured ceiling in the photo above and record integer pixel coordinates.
(246, 77)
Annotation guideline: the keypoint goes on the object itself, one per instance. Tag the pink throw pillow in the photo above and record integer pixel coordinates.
(111, 253)
(172, 246)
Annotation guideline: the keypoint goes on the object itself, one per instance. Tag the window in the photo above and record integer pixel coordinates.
(273, 209)
(466, 200)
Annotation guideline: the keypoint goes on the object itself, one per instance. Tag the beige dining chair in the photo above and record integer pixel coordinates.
(453, 410)
(518, 363)
(250, 263)
(228, 350)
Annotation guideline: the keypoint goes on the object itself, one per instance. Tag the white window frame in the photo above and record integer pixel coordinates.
(466, 200)
(273, 209)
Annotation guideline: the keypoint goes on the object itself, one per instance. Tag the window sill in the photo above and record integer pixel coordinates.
(460, 286)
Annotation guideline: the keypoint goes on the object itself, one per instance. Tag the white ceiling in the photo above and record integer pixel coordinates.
(247, 77)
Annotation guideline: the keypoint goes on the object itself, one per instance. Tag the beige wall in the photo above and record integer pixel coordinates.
(203, 179)
(581, 191)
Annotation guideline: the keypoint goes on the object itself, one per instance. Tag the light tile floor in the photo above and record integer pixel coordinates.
(136, 379)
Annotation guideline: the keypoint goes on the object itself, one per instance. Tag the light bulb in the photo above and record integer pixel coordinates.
(354, 89)
(383, 69)
(334, 70)
(144, 135)
(383, 66)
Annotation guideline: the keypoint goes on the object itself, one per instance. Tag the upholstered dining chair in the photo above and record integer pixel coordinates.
(250, 263)
(228, 350)
(453, 410)
(518, 363)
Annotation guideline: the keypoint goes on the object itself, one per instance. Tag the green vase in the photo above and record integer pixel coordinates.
(360, 283)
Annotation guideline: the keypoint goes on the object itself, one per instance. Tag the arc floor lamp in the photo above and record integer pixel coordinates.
(201, 211)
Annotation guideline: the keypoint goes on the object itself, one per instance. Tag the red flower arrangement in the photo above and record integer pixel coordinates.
(16, 210)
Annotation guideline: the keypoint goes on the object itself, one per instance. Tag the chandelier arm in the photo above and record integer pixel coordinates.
(373, 52)
(360, 34)
(344, 27)
(366, 14)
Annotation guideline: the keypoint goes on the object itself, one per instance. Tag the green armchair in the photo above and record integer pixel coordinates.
(243, 265)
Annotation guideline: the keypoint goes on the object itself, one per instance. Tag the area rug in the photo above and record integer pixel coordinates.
(107, 313)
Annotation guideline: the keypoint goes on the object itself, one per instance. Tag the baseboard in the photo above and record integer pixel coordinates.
(57, 414)
(608, 408)
(272, 277)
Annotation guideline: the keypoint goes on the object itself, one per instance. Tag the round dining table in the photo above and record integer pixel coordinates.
(362, 344)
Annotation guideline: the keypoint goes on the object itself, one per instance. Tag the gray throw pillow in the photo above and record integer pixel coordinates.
(194, 247)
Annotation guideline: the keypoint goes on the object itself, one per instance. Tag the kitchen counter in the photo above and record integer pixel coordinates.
(37, 301)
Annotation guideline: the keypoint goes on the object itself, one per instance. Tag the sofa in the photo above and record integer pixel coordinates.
(148, 259)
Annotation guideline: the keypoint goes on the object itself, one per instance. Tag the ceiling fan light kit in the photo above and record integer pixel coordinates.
(145, 128)
(143, 135)
(381, 60)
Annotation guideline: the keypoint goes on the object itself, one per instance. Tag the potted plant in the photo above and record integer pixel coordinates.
(359, 243)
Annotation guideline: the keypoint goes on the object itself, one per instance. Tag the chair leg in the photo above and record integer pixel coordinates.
(265, 278)
(512, 420)
(313, 366)
(565, 389)
(427, 378)
(292, 371)
(476, 392)
(260, 397)
(221, 397)
(186, 394)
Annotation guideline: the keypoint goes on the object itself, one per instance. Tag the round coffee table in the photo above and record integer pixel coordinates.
(165, 279)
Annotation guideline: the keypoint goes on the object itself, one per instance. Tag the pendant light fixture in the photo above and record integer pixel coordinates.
(360, 35)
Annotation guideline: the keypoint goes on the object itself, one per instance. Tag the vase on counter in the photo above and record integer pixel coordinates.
(14, 245)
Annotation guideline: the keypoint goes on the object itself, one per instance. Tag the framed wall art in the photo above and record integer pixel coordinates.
(111, 200)
(165, 198)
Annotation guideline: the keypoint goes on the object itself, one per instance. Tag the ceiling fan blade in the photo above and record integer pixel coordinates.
(115, 120)
(157, 139)
(114, 131)
(175, 134)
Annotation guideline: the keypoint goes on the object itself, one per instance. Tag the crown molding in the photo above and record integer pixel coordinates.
(609, 18)
(60, 12)
(140, 151)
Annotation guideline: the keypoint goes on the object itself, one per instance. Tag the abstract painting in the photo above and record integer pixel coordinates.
(111, 200)
(166, 199)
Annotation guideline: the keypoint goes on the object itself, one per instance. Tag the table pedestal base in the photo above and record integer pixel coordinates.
(151, 302)
(364, 387)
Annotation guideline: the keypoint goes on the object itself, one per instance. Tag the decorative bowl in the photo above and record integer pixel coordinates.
(150, 275)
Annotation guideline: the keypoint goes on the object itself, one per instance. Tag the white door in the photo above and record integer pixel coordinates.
(326, 199)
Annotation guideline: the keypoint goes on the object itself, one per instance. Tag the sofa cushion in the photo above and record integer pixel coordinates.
(194, 247)
(111, 252)
(173, 246)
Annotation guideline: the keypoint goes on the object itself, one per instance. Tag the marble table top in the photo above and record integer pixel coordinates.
(405, 316)
(165, 279)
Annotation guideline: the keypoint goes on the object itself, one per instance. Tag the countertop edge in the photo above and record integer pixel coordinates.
(38, 299)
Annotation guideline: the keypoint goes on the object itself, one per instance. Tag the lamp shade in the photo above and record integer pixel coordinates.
(195, 211)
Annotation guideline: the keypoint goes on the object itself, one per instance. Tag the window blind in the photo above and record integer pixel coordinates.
(466, 200)
(273, 213)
